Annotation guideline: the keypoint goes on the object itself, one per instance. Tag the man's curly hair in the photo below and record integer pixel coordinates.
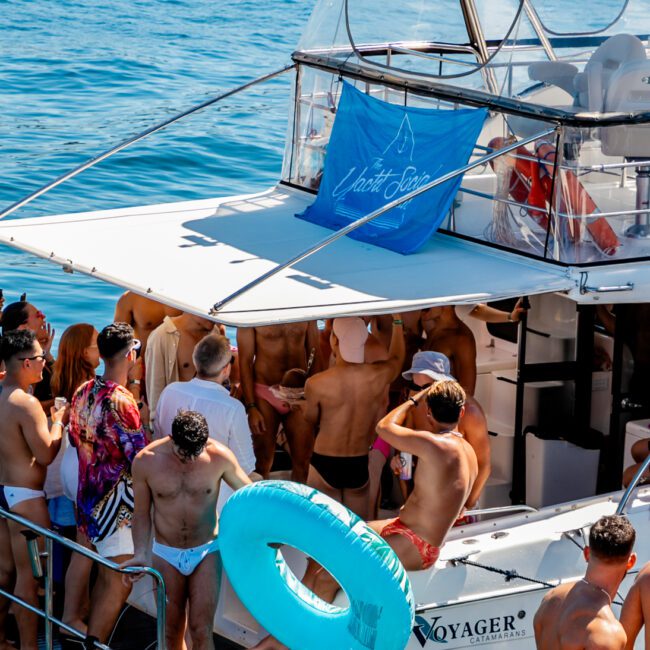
(611, 538)
(189, 433)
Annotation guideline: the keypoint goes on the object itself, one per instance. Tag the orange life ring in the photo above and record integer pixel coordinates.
(536, 176)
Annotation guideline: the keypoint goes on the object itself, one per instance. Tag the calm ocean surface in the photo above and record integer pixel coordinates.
(79, 77)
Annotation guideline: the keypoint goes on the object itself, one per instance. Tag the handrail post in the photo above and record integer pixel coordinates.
(49, 593)
(161, 613)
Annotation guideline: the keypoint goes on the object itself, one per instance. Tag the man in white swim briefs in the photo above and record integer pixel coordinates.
(27, 446)
(180, 476)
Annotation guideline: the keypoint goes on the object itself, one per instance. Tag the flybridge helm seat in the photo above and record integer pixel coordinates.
(629, 91)
(588, 87)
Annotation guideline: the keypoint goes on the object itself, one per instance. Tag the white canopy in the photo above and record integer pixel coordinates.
(194, 254)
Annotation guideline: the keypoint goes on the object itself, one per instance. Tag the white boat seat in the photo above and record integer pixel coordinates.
(591, 84)
(555, 73)
(588, 87)
(628, 90)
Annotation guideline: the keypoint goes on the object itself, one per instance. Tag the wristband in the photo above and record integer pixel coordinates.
(137, 382)
(250, 406)
(412, 399)
(55, 422)
(510, 318)
(398, 321)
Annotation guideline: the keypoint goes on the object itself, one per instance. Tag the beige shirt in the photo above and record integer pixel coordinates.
(160, 360)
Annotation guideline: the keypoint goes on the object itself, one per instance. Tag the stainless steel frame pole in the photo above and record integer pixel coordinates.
(373, 215)
(49, 593)
(136, 138)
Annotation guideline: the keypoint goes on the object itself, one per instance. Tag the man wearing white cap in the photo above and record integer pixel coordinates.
(428, 368)
(341, 403)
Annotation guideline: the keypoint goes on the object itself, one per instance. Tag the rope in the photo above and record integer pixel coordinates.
(510, 574)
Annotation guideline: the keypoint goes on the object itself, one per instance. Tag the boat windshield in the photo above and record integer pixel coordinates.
(486, 45)
(578, 73)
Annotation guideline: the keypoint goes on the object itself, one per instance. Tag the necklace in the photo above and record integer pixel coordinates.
(452, 432)
(609, 598)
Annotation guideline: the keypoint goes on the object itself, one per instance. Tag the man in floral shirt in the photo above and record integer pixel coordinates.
(106, 429)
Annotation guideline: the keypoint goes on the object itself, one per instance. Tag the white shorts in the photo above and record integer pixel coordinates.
(119, 543)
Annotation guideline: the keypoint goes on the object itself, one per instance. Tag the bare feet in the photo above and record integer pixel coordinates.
(269, 643)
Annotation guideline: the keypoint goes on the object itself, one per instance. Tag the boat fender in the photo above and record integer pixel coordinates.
(261, 517)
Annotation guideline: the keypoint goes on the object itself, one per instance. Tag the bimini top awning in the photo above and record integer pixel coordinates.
(194, 254)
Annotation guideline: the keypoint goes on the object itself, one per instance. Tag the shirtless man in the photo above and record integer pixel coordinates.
(180, 476)
(143, 314)
(265, 354)
(27, 446)
(341, 403)
(431, 367)
(169, 354)
(578, 615)
(444, 480)
(636, 609)
(448, 334)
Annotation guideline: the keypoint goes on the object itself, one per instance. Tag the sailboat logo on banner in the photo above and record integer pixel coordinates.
(380, 178)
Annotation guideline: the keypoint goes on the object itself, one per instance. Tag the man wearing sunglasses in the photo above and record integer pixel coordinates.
(429, 368)
(106, 429)
(27, 446)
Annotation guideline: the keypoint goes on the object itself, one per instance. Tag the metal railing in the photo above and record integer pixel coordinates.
(218, 306)
(500, 510)
(136, 138)
(32, 531)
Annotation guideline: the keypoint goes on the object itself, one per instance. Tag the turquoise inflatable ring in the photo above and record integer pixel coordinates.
(259, 518)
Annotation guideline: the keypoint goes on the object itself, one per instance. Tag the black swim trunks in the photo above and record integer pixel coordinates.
(342, 471)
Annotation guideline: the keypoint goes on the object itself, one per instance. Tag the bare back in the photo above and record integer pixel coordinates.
(576, 616)
(447, 469)
(20, 414)
(184, 494)
(345, 398)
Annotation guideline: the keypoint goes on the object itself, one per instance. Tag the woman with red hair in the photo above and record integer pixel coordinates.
(78, 357)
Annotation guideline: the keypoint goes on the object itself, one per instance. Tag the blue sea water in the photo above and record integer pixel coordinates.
(80, 76)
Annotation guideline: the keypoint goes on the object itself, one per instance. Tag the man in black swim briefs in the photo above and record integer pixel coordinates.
(341, 404)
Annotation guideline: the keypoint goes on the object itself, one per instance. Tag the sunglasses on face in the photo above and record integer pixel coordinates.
(40, 357)
(415, 387)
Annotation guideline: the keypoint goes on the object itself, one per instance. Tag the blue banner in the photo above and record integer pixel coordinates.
(379, 152)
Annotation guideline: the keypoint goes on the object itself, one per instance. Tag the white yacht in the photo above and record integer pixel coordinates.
(554, 204)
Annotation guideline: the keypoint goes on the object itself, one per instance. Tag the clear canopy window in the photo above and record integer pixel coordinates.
(568, 88)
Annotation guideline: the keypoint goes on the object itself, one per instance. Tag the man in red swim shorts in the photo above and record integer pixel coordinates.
(447, 469)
